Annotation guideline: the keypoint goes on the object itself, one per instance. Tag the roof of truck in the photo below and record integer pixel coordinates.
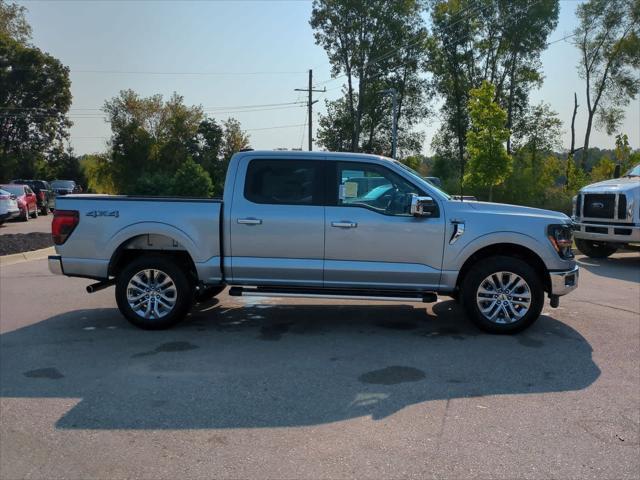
(316, 154)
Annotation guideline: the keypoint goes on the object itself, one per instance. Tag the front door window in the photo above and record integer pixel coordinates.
(375, 188)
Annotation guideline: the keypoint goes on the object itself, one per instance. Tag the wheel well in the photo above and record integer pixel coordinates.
(152, 244)
(507, 250)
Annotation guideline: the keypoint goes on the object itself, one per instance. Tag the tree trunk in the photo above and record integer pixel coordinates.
(512, 87)
(572, 150)
(587, 135)
(573, 124)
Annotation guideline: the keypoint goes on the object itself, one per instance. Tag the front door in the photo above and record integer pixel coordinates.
(277, 223)
(371, 239)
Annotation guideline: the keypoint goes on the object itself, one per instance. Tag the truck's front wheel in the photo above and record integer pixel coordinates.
(502, 294)
(153, 292)
(594, 249)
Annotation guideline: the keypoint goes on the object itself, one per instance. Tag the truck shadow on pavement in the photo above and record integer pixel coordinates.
(267, 365)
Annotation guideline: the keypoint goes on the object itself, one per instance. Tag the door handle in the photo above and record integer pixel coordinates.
(249, 221)
(344, 224)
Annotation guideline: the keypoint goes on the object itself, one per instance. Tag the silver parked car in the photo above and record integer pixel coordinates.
(8, 206)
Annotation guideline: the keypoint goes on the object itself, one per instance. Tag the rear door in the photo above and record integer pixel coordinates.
(371, 239)
(277, 222)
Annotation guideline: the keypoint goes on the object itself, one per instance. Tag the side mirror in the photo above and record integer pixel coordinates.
(423, 206)
(616, 171)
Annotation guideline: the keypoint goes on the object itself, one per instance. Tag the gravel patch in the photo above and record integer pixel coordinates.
(24, 242)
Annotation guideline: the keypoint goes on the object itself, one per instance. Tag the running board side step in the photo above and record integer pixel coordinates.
(375, 295)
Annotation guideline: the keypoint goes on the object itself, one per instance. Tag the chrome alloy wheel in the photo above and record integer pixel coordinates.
(503, 297)
(151, 293)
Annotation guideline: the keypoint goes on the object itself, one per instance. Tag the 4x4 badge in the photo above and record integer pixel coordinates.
(103, 213)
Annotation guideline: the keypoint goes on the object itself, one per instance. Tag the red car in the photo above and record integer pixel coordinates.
(27, 200)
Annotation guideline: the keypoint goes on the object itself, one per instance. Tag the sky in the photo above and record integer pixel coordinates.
(241, 59)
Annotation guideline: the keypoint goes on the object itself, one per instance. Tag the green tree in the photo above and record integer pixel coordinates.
(622, 153)
(13, 23)
(191, 180)
(608, 39)
(35, 96)
(538, 134)
(232, 140)
(603, 170)
(152, 139)
(489, 162)
(376, 45)
(97, 170)
(500, 41)
(413, 161)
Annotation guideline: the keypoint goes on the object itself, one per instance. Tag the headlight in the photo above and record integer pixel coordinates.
(630, 204)
(561, 237)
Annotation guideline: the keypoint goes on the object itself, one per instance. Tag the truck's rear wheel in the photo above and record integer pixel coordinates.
(153, 292)
(594, 249)
(502, 294)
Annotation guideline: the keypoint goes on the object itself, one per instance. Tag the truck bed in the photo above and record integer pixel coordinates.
(109, 224)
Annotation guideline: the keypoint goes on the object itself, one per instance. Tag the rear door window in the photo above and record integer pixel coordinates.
(284, 182)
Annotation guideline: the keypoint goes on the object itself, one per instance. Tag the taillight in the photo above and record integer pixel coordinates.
(64, 222)
(41, 195)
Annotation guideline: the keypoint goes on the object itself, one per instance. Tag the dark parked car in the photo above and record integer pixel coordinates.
(44, 194)
(27, 200)
(64, 187)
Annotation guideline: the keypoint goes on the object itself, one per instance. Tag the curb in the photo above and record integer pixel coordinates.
(14, 258)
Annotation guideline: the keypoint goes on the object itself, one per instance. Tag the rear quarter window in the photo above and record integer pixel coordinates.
(284, 182)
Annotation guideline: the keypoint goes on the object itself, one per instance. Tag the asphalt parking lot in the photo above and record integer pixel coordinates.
(40, 224)
(313, 389)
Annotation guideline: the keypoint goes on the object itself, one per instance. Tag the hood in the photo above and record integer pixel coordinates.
(614, 185)
(516, 210)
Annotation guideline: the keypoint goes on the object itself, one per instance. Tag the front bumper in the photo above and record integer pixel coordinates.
(564, 282)
(55, 265)
(625, 233)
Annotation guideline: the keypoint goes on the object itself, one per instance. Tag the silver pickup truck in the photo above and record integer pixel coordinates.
(331, 225)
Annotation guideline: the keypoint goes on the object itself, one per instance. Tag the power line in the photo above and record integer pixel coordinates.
(245, 130)
(222, 107)
(24, 114)
(274, 128)
(142, 72)
(561, 39)
(160, 72)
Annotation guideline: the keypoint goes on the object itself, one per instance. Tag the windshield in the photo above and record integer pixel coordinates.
(63, 184)
(14, 189)
(634, 172)
(419, 177)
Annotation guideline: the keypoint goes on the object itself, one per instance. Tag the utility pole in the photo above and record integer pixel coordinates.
(394, 120)
(310, 103)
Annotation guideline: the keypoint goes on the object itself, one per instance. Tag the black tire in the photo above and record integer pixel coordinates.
(207, 293)
(183, 292)
(44, 211)
(594, 249)
(492, 265)
(34, 214)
